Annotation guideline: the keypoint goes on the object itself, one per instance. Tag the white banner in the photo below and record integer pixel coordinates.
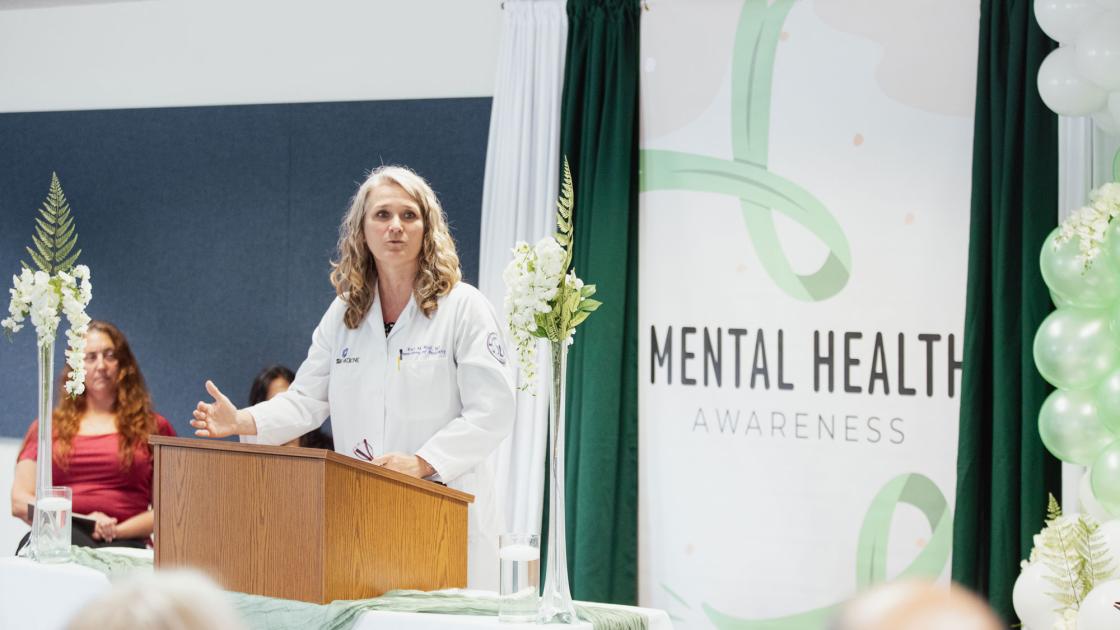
(806, 171)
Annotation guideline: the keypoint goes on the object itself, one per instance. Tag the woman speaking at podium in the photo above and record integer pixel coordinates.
(408, 361)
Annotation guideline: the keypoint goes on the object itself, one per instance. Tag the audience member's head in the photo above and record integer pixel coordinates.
(275, 379)
(271, 381)
(165, 600)
(113, 373)
(917, 605)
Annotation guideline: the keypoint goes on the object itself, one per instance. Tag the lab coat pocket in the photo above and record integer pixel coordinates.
(425, 391)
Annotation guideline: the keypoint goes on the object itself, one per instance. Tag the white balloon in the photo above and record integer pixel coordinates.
(1106, 123)
(1063, 20)
(1063, 89)
(1110, 530)
(1096, 611)
(1098, 51)
(1091, 506)
(1114, 105)
(1034, 607)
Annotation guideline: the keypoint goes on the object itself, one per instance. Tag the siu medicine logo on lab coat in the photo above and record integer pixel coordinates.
(345, 357)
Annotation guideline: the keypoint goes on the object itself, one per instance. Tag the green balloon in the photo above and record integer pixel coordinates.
(1114, 324)
(1104, 477)
(1094, 287)
(1112, 243)
(1059, 301)
(1108, 401)
(1070, 427)
(1074, 348)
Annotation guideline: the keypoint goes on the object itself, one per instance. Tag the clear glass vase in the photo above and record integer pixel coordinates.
(556, 600)
(42, 520)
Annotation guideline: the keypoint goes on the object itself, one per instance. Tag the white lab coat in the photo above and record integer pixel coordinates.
(439, 387)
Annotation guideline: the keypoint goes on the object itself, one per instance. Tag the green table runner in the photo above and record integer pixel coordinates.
(285, 614)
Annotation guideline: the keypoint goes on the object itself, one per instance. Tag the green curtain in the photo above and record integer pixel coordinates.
(599, 135)
(1003, 471)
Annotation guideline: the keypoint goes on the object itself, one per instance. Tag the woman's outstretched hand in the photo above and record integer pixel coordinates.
(217, 419)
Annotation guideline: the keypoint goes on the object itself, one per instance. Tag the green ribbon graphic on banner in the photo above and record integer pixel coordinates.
(761, 193)
(871, 557)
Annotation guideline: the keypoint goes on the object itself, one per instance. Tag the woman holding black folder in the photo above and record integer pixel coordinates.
(100, 447)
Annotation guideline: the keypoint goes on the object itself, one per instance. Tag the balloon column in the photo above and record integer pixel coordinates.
(1077, 347)
(1082, 77)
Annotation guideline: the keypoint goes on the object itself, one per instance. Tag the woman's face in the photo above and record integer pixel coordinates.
(101, 364)
(393, 227)
(278, 385)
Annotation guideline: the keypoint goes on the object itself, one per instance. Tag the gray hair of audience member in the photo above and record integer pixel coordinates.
(916, 605)
(165, 600)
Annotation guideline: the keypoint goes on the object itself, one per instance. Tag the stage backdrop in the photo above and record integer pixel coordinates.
(804, 225)
(209, 230)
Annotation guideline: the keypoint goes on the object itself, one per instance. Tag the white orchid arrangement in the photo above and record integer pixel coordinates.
(57, 285)
(544, 298)
(1089, 224)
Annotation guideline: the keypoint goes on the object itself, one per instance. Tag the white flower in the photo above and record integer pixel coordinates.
(45, 299)
(535, 279)
(1090, 224)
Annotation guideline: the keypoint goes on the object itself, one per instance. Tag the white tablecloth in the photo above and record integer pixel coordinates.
(45, 596)
(34, 595)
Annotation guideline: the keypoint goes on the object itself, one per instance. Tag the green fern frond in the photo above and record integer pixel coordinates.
(68, 263)
(564, 205)
(1053, 510)
(55, 233)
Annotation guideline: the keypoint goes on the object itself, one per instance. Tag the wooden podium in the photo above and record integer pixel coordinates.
(302, 523)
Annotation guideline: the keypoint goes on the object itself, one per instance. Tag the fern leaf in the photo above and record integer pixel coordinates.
(564, 207)
(64, 250)
(48, 215)
(42, 227)
(55, 234)
(41, 247)
(1053, 510)
(68, 264)
(42, 264)
(66, 229)
(562, 239)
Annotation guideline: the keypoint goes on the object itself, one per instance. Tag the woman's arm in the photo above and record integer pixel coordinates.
(139, 526)
(23, 489)
(287, 415)
(486, 390)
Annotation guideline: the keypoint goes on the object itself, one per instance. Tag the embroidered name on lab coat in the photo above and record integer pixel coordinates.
(424, 352)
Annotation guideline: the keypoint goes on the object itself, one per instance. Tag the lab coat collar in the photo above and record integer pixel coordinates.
(377, 321)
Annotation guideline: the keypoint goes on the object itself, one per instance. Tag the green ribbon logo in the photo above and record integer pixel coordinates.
(871, 557)
(746, 177)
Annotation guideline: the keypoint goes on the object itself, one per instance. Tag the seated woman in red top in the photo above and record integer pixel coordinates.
(101, 445)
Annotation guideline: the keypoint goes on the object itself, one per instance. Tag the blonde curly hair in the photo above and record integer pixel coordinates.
(354, 274)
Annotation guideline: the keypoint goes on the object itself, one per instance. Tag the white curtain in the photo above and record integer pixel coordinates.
(518, 204)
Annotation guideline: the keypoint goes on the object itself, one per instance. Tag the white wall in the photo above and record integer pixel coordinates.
(159, 53)
(11, 528)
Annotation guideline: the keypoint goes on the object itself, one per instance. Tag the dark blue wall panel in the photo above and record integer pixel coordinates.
(209, 230)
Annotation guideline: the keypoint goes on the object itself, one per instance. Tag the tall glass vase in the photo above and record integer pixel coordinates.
(556, 601)
(44, 461)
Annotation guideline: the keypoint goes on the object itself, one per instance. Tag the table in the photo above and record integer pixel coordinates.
(45, 596)
(34, 595)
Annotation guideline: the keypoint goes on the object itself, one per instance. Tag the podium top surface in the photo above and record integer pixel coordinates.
(312, 453)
